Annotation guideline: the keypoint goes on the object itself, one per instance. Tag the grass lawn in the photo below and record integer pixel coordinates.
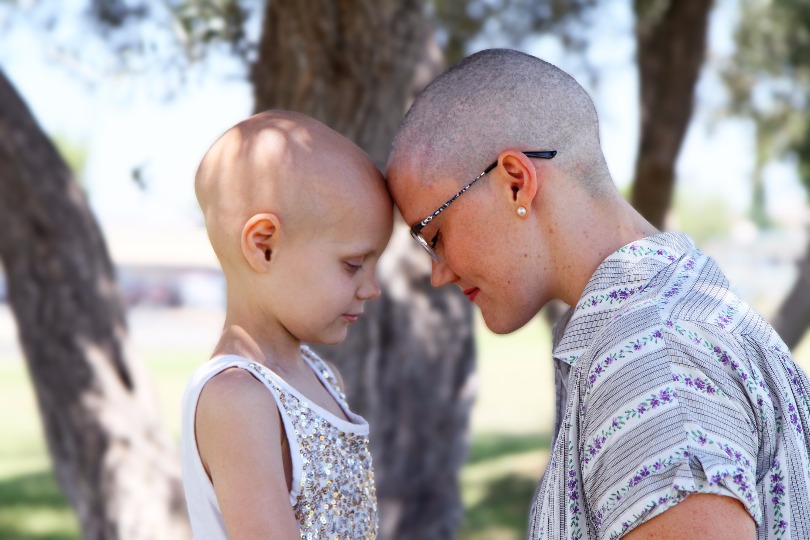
(510, 436)
(31, 506)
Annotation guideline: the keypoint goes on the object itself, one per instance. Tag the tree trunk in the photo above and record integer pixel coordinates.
(670, 47)
(111, 456)
(408, 367)
(791, 321)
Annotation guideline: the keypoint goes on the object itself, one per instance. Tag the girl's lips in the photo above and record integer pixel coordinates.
(471, 293)
(351, 318)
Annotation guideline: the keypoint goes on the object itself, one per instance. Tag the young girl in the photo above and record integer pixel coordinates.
(298, 217)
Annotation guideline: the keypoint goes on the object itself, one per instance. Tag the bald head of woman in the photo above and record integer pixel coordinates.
(287, 164)
(494, 100)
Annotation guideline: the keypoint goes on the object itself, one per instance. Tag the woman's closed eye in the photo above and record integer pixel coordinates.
(434, 240)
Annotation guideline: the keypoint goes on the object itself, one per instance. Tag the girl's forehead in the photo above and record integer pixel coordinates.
(355, 228)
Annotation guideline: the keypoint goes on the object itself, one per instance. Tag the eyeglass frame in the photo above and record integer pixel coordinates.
(416, 229)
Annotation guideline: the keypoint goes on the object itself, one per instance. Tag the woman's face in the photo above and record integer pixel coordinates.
(485, 249)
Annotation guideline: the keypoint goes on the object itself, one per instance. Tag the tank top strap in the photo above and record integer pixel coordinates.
(325, 373)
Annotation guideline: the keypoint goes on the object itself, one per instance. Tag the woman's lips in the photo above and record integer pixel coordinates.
(471, 293)
(351, 317)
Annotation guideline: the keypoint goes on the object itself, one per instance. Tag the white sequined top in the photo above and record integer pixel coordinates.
(333, 494)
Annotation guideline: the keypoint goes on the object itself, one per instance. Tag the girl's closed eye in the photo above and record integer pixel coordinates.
(353, 266)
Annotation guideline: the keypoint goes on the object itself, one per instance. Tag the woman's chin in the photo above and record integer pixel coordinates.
(503, 324)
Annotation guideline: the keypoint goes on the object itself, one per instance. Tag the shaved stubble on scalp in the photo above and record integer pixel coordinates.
(494, 100)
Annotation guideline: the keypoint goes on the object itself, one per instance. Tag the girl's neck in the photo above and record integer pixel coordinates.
(241, 340)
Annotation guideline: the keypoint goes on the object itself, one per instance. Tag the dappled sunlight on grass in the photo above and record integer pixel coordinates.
(477, 480)
(511, 422)
(509, 448)
(489, 446)
(500, 508)
(507, 455)
(33, 508)
(31, 505)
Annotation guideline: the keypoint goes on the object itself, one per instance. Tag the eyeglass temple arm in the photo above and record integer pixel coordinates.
(543, 154)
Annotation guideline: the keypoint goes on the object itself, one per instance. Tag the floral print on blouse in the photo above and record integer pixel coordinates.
(668, 384)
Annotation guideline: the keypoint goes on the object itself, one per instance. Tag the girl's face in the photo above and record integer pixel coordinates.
(321, 279)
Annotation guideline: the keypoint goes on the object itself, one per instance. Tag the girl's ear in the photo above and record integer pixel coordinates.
(518, 179)
(259, 237)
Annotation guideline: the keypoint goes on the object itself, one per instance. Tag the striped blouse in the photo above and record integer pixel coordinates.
(668, 384)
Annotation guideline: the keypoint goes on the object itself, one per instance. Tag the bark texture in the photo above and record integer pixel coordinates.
(670, 48)
(408, 365)
(112, 457)
(354, 65)
(791, 321)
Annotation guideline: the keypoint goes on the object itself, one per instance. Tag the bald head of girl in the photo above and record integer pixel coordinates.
(289, 165)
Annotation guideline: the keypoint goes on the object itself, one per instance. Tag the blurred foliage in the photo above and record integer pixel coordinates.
(768, 78)
(75, 155)
(701, 217)
(200, 23)
(166, 38)
(649, 13)
(194, 24)
(461, 22)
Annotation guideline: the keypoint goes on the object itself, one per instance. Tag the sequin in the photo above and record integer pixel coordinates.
(337, 477)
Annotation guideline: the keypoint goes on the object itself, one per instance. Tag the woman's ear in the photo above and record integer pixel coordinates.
(518, 180)
(259, 238)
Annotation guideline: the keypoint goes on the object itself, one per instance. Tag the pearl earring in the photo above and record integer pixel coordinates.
(521, 211)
